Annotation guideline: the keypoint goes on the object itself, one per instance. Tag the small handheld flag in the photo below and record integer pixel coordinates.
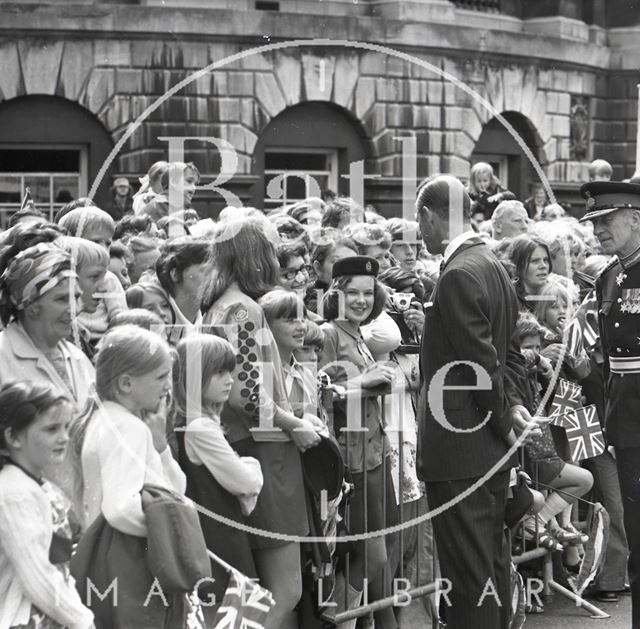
(27, 201)
(567, 398)
(583, 432)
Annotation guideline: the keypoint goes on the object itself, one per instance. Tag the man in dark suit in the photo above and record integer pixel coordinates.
(467, 417)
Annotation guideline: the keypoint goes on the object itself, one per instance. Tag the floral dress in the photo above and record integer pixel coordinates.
(401, 429)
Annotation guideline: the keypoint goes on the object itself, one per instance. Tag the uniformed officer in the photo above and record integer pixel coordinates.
(614, 209)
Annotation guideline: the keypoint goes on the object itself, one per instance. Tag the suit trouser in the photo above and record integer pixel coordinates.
(628, 461)
(613, 571)
(473, 551)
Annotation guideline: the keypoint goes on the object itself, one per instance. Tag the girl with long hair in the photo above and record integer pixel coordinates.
(258, 417)
(218, 479)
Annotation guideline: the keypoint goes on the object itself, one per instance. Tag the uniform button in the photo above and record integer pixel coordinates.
(616, 325)
(619, 300)
(618, 349)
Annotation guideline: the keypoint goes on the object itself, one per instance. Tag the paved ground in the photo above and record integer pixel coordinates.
(563, 614)
(560, 613)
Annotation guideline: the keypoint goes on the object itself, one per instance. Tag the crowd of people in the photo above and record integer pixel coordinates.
(275, 369)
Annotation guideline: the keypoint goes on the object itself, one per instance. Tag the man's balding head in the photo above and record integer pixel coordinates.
(509, 220)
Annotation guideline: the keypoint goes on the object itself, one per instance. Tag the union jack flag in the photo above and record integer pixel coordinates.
(567, 398)
(583, 432)
(27, 202)
(245, 605)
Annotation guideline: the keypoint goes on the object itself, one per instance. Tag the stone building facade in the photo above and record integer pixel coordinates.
(385, 90)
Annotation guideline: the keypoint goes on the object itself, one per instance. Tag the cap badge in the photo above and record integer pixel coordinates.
(368, 267)
(590, 201)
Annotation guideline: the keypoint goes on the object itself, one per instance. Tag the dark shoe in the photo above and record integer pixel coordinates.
(607, 597)
(573, 568)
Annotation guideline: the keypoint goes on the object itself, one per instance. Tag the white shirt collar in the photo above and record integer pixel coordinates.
(457, 242)
(181, 319)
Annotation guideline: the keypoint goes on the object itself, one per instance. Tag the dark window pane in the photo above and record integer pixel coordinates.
(39, 187)
(39, 160)
(296, 188)
(65, 189)
(295, 161)
(9, 189)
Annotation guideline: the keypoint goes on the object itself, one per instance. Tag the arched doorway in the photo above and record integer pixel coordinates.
(53, 146)
(305, 149)
(498, 147)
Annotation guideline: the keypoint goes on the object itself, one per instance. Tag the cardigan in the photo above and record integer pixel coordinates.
(241, 476)
(118, 458)
(26, 575)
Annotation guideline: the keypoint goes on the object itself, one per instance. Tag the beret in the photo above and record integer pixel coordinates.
(604, 197)
(355, 265)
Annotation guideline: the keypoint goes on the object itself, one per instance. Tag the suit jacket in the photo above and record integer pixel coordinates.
(472, 319)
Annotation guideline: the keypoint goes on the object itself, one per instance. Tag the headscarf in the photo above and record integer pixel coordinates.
(34, 272)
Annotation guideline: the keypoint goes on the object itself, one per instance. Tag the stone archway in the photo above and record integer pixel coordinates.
(496, 145)
(308, 128)
(54, 129)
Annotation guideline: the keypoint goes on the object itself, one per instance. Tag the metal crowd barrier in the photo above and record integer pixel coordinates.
(415, 587)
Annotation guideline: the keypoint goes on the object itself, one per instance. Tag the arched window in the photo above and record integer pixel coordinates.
(52, 146)
(498, 147)
(305, 151)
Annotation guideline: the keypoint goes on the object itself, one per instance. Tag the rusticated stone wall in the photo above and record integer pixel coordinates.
(117, 75)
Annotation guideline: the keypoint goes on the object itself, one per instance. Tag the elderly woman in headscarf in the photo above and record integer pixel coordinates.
(39, 292)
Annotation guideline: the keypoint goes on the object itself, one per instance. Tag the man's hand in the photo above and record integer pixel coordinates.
(414, 318)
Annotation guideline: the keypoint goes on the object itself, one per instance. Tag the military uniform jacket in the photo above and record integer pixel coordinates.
(618, 298)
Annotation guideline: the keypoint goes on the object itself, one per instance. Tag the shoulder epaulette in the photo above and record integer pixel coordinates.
(610, 264)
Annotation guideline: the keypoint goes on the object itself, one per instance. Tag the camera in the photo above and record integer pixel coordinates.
(401, 301)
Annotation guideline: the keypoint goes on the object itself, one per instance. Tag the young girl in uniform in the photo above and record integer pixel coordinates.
(355, 298)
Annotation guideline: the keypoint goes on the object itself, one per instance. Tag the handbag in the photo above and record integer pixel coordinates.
(176, 550)
(540, 448)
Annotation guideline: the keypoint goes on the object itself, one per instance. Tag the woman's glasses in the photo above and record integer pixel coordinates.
(291, 274)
